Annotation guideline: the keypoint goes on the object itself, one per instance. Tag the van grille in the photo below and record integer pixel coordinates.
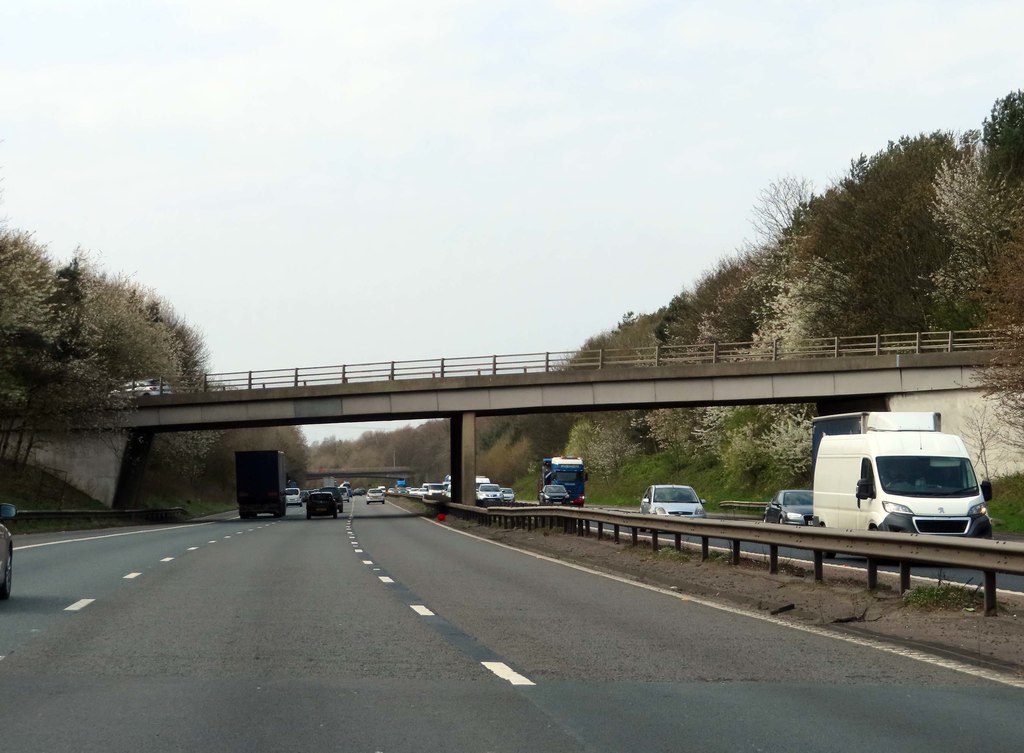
(953, 526)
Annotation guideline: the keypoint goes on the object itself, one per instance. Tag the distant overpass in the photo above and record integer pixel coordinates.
(395, 472)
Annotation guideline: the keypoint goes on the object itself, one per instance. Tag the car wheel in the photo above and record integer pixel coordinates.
(335, 514)
(5, 584)
(309, 515)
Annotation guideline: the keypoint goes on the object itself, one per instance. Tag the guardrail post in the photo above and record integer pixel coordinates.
(904, 577)
(704, 548)
(654, 540)
(442, 368)
(949, 342)
(872, 573)
(600, 530)
(657, 355)
(296, 378)
(679, 542)
(344, 377)
(878, 345)
(494, 365)
(634, 530)
(775, 349)
(547, 362)
(835, 347)
(392, 371)
(773, 558)
(917, 342)
(204, 382)
(714, 352)
(990, 593)
(600, 358)
(616, 527)
(736, 552)
(819, 567)
(250, 380)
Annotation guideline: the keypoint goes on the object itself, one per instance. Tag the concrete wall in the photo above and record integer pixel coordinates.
(974, 417)
(92, 462)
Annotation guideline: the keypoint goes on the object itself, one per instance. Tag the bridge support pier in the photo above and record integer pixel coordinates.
(133, 467)
(463, 458)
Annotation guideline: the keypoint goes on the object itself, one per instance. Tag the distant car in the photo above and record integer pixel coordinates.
(507, 494)
(304, 495)
(321, 503)
(434, 489)
(417, 491)
(487, 495)
(792, 507)
(149, 386)
(338, 493)
(293, 496)
(6, 551)
(358, 491)
(555, 494)
(672, 499)
(376, 494)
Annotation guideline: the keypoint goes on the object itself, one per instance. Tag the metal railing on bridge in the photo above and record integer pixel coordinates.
(607, 358)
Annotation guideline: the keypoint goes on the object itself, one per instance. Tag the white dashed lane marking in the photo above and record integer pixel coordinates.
(505, 672)
(129, 576)
(167, 559)
(367, 562)
(191, 549)
(385, 579)
(80, 604)
(421, 610)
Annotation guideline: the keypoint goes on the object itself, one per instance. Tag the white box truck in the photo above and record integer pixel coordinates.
(896, 472)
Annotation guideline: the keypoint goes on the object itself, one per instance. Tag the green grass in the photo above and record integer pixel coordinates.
(944, 596)
(1007, 506)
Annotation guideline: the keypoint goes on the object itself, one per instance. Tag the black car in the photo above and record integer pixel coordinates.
(339, 493)
(555, 494)
(791, 506)
(6, 551)
(321, 503)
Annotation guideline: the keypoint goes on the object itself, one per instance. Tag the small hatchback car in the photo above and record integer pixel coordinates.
(376, 494)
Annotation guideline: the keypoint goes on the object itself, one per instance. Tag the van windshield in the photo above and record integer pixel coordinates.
(916, 476)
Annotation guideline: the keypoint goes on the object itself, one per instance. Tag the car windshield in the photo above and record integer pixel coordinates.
(800, 498)
(490, 488)
(675, 494)
(567, 476)
(291, 490)
(922, 476)
(555, 489)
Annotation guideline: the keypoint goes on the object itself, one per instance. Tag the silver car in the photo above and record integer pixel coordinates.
(6, 551)
(672, 499)
(507, 494)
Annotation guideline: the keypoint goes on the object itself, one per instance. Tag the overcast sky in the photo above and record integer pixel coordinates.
(320, 182)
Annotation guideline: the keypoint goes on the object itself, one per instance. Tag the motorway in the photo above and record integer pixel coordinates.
(382, 631)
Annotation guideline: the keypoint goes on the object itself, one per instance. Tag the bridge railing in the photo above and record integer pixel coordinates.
(608, 358)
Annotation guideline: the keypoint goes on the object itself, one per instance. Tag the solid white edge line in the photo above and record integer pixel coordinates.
(421, 610)
(80, 604)
(956, 666)
(505, 672)
(106, 536)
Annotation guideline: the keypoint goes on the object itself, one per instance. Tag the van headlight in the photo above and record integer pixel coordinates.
(979, 509)
(896, 507)
(659, 511)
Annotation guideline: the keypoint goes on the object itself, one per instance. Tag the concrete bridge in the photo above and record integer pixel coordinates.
(395, 472)
(835, 384)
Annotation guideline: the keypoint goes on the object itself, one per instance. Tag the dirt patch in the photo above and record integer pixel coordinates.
(841, 602)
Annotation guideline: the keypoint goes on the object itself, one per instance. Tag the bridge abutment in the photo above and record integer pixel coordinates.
(463, 458)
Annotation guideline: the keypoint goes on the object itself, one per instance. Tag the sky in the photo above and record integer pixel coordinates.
(322, 182)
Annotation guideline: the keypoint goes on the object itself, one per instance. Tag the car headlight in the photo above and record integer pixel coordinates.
(979, 509)
(896, 507)
(699, 513)
(795, 517)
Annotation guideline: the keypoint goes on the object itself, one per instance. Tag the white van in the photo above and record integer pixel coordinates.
(911, 481)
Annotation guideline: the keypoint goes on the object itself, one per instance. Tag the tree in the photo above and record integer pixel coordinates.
(1003, 136)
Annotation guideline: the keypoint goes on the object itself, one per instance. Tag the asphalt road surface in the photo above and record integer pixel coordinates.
(387, 632)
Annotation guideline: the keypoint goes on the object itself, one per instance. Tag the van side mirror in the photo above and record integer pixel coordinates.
(865, 489)
(644, 501)
(986, 490)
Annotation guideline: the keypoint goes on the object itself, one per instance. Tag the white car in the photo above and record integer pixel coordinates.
(375, 494)
(434, 489)
(488, 494)
(293, 496)
(672, 499)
